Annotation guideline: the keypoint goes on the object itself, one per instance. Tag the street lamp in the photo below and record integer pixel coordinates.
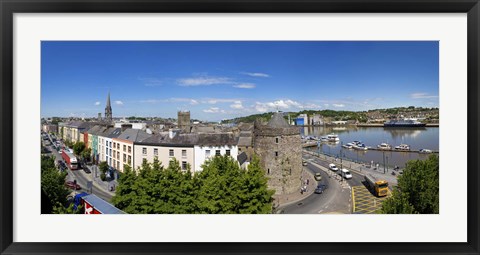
(383, 162)
(387, 164)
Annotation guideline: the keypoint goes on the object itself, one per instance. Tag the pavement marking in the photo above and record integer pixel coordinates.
(365, 202)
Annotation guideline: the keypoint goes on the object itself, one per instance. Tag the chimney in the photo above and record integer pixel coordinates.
(125, 126)
(172, 132)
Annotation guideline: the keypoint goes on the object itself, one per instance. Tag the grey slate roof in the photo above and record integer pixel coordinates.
(203, 139)
(95, 129)
(242, 158)
(133, 135)
(163, 138)
(216, 139)
(244, 141)
(115, 133)
(277, 121)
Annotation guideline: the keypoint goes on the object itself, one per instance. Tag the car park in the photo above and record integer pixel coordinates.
(320, 188)
(318, 177)
(333, 167)
(72, 185)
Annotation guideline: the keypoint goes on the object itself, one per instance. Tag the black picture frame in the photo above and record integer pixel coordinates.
(10, 7)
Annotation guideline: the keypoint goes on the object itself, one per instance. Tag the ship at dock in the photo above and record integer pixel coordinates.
(404, 123)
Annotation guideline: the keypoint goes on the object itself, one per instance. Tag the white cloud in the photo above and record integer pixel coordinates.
(338, 105)
(97, 103)
(421, 96)
(218, 100)
(279, 105)
(257, 74)
(151, 82)
(237, 105)
(118, 102)
(244, 86)
(203, 81)
(185, 100)
(214, 110)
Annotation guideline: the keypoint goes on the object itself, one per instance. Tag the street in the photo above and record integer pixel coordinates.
(81, 177)
(335, 199)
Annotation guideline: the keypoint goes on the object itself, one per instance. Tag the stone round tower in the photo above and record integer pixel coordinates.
(280, 150)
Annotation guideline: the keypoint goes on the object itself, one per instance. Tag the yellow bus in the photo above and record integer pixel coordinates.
(377, 186)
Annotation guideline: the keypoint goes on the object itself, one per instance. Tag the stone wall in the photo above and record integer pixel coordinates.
(282, 159)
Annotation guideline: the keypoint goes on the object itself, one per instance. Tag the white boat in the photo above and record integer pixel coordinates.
(333, 137)
(384, 146)
(348, 146)
(402, 147)
(425, 151)
(357, 145)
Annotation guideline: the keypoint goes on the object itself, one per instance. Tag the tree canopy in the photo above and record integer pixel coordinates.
(53, 184)
(417, 190)
(222, 187)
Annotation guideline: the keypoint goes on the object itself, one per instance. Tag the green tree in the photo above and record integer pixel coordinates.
(86, 153)
(61, 209)
(103, 167)
(53, 182)
(417, 190)
(222, 187)
(78, 148)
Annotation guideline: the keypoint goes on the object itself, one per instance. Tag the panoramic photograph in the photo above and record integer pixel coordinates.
(239, 127)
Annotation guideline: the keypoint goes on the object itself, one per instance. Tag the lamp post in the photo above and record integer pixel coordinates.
(383, 162)
(387, 164)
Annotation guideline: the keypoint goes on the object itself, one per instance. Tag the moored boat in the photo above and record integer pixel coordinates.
(384, 146)
(402, 147)
(425, 151)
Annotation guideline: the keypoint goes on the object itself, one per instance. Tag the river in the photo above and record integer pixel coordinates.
(417, 138)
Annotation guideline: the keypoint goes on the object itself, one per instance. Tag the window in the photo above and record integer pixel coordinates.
(118, 164)
(217, 153)
(171, 153)
(110, 152)
(155, 151)
(276, 154)
(124, 158)
(268, 172)
(106, 143)
(129, 149)
(124, 147)
(227, 152)
(276, 139)
(118, 155)
(129, 160)
(114, 145)
(207, 153)
(184, 165)
(144, 151)
(110, 144)
(184, 153)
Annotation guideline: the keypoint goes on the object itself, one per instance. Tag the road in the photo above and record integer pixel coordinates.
(81, 178)
(335, 199)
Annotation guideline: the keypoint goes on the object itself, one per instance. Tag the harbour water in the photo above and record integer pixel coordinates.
(417, 138)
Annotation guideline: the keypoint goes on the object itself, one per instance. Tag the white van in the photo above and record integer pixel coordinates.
(345, 174)
(333, 167)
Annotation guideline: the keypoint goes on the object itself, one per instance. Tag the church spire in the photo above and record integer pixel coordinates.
(108, 110)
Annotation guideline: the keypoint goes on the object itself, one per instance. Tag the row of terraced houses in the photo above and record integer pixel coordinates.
(120, 146)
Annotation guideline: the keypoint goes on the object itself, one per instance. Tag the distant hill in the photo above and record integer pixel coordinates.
(361, 116)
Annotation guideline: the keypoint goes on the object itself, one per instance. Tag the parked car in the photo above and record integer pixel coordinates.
(318, 176)
(320, 189)
(72, 185)
(333, 167)
(85, 168)
(304, 163)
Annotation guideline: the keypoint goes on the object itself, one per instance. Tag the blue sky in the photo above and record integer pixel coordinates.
(225, 79)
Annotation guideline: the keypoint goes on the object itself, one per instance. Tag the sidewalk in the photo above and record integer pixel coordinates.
(97, 182)
(288, 199)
